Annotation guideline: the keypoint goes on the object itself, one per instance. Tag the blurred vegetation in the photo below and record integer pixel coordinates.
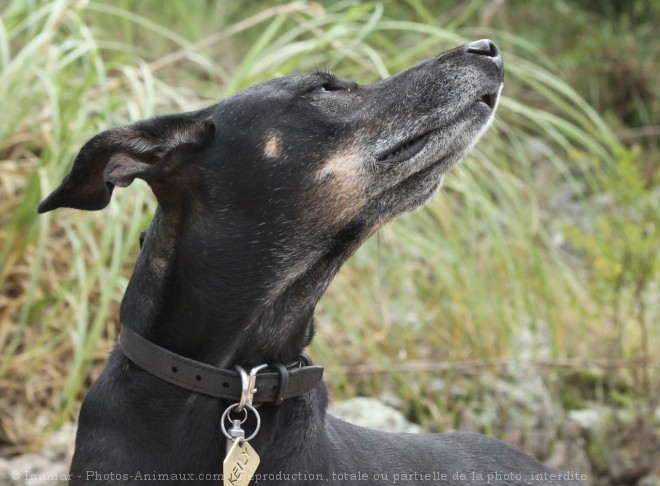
(539, 258)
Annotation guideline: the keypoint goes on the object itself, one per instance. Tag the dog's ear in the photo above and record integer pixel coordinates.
(117, 156)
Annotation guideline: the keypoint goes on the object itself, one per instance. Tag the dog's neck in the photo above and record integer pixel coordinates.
(200, 304)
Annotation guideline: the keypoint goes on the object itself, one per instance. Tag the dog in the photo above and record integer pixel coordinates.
(261, 198)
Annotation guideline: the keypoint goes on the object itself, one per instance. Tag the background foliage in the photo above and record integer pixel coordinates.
(539, 258)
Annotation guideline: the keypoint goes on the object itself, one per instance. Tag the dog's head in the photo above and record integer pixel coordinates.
(304, 147)
(285, 179)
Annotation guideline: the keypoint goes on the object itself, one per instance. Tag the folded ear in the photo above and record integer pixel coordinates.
(117, 156)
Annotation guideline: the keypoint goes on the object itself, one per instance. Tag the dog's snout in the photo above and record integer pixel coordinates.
(485, 47)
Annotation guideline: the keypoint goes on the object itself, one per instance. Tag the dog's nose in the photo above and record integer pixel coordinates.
(485, 47)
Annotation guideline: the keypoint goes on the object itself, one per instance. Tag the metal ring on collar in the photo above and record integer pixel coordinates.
(225, 416)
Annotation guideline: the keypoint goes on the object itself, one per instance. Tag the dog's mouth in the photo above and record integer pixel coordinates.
(410, 147)
(488, 99)
(404, 150)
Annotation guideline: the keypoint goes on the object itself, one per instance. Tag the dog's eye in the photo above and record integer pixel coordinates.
(330, 86)
(326, 81)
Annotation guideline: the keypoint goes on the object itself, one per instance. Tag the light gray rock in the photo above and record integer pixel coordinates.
(49, 466)
(373, 414)
(653, 480)
(587, 419)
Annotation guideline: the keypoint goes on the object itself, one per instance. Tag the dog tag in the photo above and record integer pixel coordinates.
(234, 433)
(240, 464)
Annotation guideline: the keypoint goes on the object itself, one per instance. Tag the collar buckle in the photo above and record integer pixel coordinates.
(248, 385)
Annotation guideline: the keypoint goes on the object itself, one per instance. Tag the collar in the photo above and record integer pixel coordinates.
(273, 385)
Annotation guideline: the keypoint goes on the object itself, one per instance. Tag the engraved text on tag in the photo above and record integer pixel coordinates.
(240, 464)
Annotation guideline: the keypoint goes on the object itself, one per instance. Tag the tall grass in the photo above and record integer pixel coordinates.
(457, 280)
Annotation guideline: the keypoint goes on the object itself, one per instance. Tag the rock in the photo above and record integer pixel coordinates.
(469, 422)
(570, 453)
(587, 419)
(653, 480)
(49, 466)
(373, 414)
(529, 413)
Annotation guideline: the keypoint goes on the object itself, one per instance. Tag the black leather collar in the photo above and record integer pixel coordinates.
(273, 385)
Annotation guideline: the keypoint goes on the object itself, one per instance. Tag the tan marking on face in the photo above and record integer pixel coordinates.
(343, 182)
(273, 146)
(337, 197)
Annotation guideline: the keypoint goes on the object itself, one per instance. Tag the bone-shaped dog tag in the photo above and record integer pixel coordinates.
(240, 464)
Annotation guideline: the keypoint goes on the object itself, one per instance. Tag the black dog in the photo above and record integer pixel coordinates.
(261, 198)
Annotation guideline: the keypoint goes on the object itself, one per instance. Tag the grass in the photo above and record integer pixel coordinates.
(456, 282)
